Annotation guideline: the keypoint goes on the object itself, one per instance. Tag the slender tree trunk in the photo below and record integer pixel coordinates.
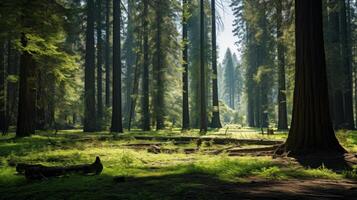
(90, 124)
(52, 102)
(185, 97)
(130, 59)
(107, 53)
(13, 88)
(27, 94)
(99, 66)
(40, 102)
(11, 85)
(311, 129)
(334, 64)
(250, 82)
(117, 125)
(203, 111)
(347, 66)
(2, 89)
(145, 81)
(216, 121)
(282, 113)
(135, 87)
(160, 90)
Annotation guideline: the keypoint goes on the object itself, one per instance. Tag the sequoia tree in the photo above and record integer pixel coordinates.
(216, 122)
(99, 65)
(90, 124)
(117, 125)
(185, 102)
(107, 52)
(282, 111)
(27, 94)
(203, 111)
(311, 129)
(145, 82)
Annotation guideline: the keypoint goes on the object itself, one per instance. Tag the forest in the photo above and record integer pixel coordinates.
(178, 99)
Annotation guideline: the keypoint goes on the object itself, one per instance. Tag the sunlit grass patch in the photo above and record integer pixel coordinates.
(143, 169)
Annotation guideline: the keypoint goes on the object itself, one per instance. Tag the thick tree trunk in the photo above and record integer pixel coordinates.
(107, 53)
(185, 96)
(203, 111)
(117, 125)
(99, 66)
(282, 111)
(27, 94)
(145, 81)
(90, 124)
(311, 128)
(216, 121)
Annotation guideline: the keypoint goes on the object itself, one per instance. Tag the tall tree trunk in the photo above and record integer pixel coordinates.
(90, 124)
(160, 90)
(51, 102)
(99, 66)
(334, 67)
(107, 53)
(250, 81)
(27, 93)
(145, 81)
(311, 129)
(135, 87)
(185, 97)
(130, 59)
(216, 121)
(347, 66)
(11, 85)
(40, 101)
(282, 113)
(117, 125)
(203, 111)
(2, 89)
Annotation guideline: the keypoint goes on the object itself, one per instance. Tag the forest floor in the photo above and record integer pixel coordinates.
(233, 163)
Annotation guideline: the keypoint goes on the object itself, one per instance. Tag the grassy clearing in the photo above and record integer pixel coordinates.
(150, 176)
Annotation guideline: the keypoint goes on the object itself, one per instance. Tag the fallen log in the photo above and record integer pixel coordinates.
(214, 140)
(157, 149)
(38, 172)
(253, 150)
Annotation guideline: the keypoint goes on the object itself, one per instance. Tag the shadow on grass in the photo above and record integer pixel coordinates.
(177, 186)
(335, 162)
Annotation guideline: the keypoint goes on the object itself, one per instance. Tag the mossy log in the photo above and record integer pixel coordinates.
(38, 172)
(214, 140)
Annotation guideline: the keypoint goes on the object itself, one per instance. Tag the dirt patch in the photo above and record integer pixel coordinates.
(299, 189)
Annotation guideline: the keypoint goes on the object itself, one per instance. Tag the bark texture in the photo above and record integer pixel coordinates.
(311, 129)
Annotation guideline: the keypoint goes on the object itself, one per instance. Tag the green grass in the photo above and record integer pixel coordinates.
(150, 176)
